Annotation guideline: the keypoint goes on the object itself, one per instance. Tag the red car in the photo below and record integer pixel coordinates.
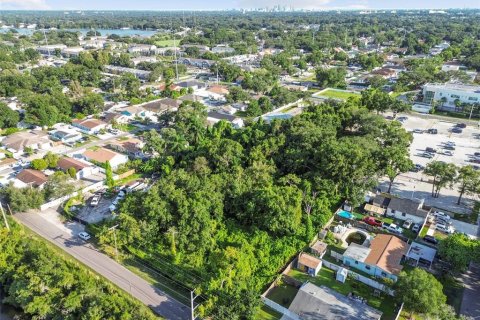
(372, 221)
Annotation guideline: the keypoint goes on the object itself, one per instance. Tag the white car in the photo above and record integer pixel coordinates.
(408, 223)
(394, 228)
(416, 227)
(95, 201)
(444, 228)
(112, 208)
(441, 215)
(84, 236)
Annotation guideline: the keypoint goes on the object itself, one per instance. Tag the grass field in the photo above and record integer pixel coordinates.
(283, 294)
(326, 277)
(165, 43)
(334, 94)
(267, 313)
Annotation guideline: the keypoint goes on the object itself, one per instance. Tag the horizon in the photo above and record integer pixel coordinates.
(223, 5)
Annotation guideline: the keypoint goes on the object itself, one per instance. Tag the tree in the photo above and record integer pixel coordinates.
(72, 172)
(469, 180)
(58, 185)
(23, 199)
(420, 292)
(39, 164)
(333, 77)
(397, 161)
(51, 159)
(458, 249)
(443, 174)
(8, 117)
(109, 182)
(90, 103)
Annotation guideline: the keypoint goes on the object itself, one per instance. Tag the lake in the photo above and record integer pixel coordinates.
(103, 32)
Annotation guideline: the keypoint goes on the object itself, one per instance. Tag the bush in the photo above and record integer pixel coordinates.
(39, 164)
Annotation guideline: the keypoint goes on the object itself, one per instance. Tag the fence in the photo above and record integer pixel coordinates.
(58, 201)
(124, 175)
(369, 282)
(275, 306)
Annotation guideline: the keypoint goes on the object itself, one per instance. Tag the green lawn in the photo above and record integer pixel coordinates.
(334, 94)
(326, 277)
(165, 43)
(267, 313)
(283, 294)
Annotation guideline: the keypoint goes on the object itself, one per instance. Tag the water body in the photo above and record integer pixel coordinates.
(103, 32)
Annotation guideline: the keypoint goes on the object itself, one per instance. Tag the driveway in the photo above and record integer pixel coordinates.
(471, 303)
(47, 225)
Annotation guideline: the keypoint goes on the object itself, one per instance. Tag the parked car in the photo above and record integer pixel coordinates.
(84, 235)
(457, 130)
(393, 228)
(449, 147)
(417, 131)
(372, 221)
(416, 228)
(447, 153)
(430, 239)
(461, 125)
(477, 154)
(95, 200)
(444, 228)
(441, 215)
(402, 118)
(408, 223)
(432, 131)
(427, 155)
(450, 143)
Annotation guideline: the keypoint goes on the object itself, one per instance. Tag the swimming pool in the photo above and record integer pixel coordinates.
(345, 214)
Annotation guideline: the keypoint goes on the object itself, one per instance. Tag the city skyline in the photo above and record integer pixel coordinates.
(233, 4)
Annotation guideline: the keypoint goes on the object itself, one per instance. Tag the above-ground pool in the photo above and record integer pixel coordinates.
(345, 214)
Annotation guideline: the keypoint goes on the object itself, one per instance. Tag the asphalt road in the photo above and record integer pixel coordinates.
(160, 302)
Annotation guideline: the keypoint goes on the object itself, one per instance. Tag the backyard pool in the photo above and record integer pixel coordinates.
(345, 214)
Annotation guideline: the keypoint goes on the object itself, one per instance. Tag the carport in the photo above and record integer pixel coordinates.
(421, 254)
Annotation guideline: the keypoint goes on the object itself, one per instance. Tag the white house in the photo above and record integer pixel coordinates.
(83, 169)
(214, 117)
(89, 126)
(19, 141)
(102, 155)
(404, 209)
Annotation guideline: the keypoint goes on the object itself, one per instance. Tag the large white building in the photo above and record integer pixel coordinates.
(447, 93)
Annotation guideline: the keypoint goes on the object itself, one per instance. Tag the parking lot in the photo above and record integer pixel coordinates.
(416, 184)
(94, 214)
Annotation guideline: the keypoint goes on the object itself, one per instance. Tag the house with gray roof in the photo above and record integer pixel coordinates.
(403, 209)
(321, 303)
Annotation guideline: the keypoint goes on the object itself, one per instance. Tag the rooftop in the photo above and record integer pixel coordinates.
(357, 252)
(322, 303)
(386, 252)
(308, 260)
(453, 86)
(101, 155)
(20, 140)
(30, 176)
(419, 251)
(409, 206)
(89, 123)
(66, 163)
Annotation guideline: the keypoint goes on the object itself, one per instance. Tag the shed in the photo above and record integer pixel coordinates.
(309, 264)
(318, 248)
(422, 254)
(342, 275)
(373, 209)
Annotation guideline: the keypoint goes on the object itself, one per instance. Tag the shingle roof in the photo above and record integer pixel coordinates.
(101, 155)
(30, 176)
(89, 123)
(408, 206)
(386, 252)
(221, 116)
(67, 163)
(308, 260)
(20, 140)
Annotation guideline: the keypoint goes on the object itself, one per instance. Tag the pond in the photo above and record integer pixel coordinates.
(356, 237)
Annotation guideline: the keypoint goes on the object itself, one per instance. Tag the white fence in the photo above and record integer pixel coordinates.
(369, 282)
(275, 306)
(58, 201)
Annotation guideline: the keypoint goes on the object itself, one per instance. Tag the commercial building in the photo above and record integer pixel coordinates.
(446, 94)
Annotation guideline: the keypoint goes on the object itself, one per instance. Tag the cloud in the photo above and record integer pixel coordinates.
(24, 4)
(307, 4)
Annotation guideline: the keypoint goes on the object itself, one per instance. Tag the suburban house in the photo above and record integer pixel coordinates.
(218, 90)
(404, 209)
(114, 117)
(144, 49)
(132, 112)
(102, 155)
(194, 84)
(381, 259)
(199, 63)
(309, 264)
(131, 147)
(35, 140)
(83, 169)
(89, 126)
(214, 117)
(162, 105)
(65, 136)
(30, 177)
(313, 303)
(140, 74)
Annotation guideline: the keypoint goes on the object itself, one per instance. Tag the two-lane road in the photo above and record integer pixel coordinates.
(160, 302)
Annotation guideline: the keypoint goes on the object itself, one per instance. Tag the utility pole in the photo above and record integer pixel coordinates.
(4, 217)
(114, 228)
(192, 306)
(471, 112)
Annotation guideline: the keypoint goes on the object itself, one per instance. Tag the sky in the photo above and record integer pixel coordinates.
(230, 4)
